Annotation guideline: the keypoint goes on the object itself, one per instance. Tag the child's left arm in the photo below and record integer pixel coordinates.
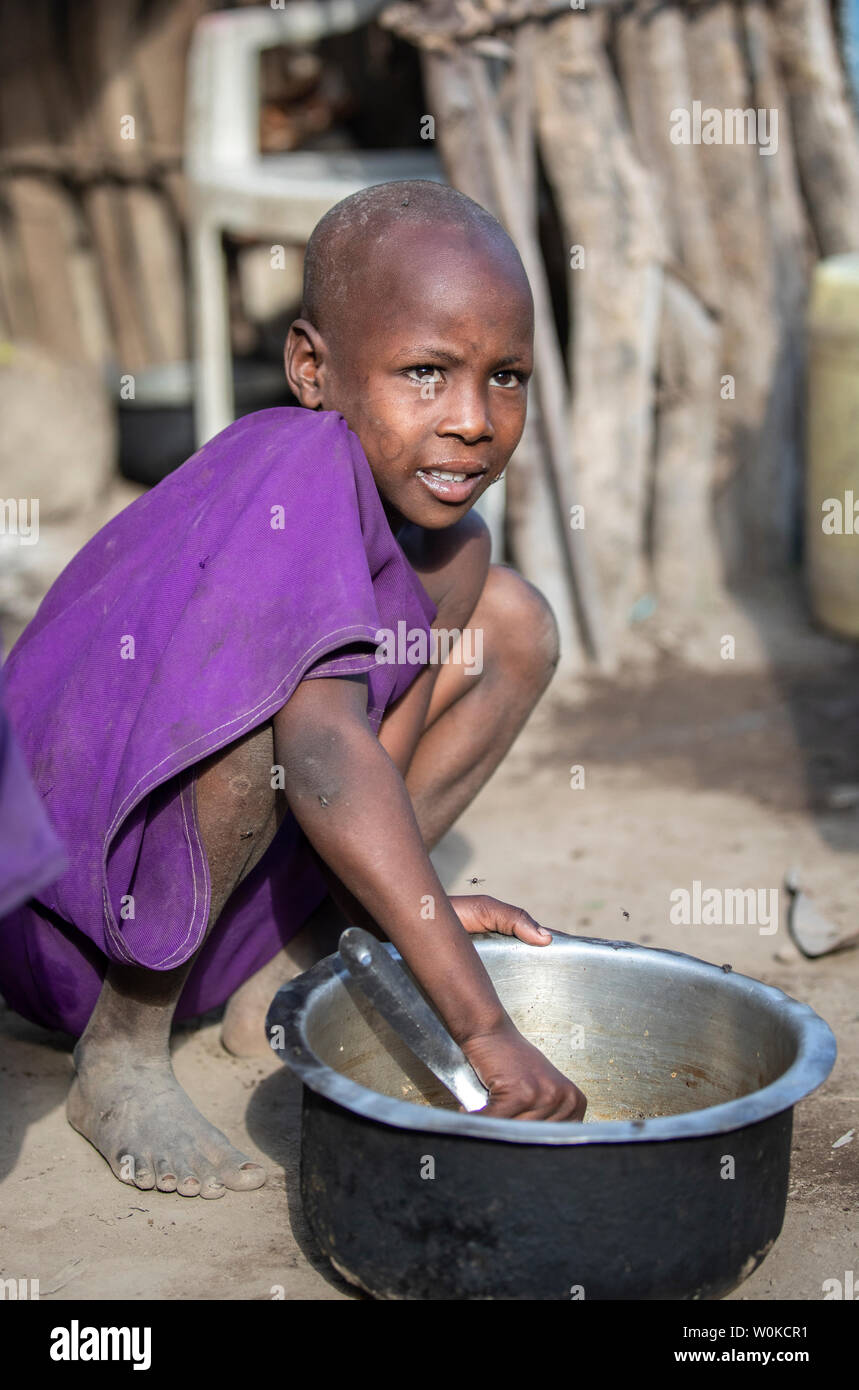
(477, 912)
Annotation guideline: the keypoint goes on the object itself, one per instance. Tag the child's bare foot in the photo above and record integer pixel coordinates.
(243, 1029)
(139, 1118)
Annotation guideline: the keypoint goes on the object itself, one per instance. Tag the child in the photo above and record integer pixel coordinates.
(206, 716)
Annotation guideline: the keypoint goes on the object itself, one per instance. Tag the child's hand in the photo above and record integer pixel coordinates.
(480, 913)
(522, 1083)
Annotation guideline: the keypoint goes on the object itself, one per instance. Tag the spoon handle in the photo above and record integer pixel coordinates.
(391, 992)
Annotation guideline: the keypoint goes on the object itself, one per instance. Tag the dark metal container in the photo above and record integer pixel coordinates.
(673, 1188)
(156, 425)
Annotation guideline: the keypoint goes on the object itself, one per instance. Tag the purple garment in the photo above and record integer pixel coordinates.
(30, 853)
(264, 560)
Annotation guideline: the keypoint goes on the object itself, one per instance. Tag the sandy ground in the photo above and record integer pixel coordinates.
(716, 775)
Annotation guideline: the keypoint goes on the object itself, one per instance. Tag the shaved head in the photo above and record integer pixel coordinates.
(348, 241)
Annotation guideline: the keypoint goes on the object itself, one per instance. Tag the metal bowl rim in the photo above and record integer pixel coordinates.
(814, 1061)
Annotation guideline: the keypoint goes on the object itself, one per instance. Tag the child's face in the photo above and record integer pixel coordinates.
(429, 367)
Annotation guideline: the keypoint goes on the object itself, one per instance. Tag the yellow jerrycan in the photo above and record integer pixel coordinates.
(832, 465)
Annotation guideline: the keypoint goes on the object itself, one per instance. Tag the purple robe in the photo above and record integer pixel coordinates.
(187, 621)
(30, 853)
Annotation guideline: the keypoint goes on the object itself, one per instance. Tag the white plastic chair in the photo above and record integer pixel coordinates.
(233, 188)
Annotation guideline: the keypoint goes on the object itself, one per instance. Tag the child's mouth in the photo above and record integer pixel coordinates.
(448, 484)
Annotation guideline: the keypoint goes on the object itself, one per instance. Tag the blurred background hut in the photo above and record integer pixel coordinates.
(662, 465)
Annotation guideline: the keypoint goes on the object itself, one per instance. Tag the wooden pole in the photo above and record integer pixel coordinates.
(550, 380)
(771, 504)
(531, 511)
(609, 219)
(536, 539)
(824, 123)
(686, 570)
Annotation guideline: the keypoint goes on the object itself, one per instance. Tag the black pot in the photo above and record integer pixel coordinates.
(674, 1188)
(156, 428)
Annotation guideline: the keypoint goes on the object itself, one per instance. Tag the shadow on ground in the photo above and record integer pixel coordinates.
(274, 1123)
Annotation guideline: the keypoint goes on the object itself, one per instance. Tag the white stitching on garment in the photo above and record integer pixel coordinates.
(193, 873)
(201, 737)
(159, 964)
(112, 927)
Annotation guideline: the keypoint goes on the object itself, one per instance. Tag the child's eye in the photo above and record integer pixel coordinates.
(514, 378)
(435, 374)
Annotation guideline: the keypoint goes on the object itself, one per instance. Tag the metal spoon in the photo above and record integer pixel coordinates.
(391, 992)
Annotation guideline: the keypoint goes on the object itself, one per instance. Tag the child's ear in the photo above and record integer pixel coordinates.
(303, 360)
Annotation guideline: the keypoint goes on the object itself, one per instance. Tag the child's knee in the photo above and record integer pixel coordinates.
(524, 632)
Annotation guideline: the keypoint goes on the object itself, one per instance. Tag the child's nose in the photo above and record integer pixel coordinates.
(467, 415)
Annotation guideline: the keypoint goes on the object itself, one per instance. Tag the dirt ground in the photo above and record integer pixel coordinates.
(720, 773)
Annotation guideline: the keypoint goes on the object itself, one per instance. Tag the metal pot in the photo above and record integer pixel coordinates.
(673, 1188)
(156, 425)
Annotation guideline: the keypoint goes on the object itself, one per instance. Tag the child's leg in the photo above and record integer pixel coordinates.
(125, 1098)
(447, 733)
(474, 719)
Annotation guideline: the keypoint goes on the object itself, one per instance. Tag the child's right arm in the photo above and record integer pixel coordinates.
(352, 804)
